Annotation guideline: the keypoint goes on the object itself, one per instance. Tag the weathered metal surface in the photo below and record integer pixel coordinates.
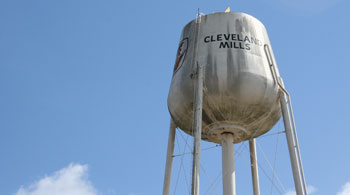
(239, 94)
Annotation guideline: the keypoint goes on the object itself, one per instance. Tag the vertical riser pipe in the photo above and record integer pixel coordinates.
(228, 165)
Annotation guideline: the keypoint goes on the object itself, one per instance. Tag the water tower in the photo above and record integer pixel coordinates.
(226, 89)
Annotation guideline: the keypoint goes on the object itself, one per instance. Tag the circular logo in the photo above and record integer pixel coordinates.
(180, 55)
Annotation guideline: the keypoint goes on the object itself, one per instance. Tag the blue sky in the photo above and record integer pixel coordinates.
(84, 84)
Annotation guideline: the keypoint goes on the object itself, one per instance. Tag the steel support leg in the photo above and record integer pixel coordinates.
(169, 158)
(254, 166)
(291, 146)
(197, 127)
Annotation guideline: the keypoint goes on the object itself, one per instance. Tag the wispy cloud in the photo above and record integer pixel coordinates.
(71, 180)
(345, 189)
(310, 190)
(305, 6)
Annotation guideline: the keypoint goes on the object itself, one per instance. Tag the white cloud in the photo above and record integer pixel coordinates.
(71, 180)
(345, 189)
(310, 190)
(290, 192)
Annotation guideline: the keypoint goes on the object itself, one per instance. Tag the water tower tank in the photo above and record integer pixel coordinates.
(239, 95)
